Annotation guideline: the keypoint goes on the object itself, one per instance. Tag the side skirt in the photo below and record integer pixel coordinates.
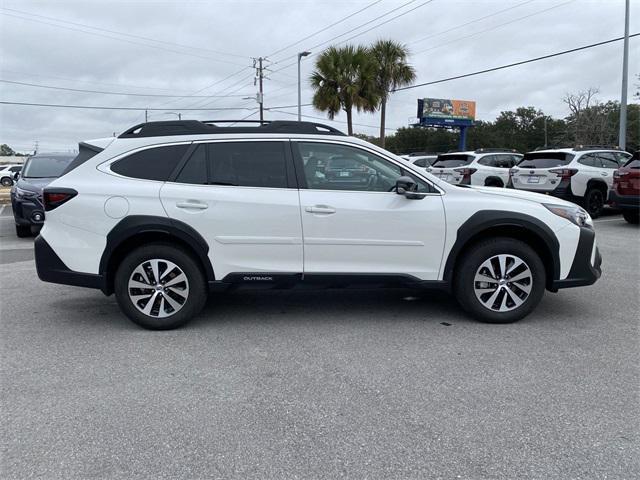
(266, 280)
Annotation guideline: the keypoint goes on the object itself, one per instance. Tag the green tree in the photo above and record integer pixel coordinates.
(393, 71)
(344, 79)
(6, 150)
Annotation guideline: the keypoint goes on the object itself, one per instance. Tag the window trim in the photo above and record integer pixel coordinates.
(302, 181)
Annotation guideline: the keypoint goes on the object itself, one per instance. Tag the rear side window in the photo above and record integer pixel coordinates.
(488, 160)
(545, 159)
(608, 160)
(452, 160)
(151, 164)
(248, 164)
(590, 160)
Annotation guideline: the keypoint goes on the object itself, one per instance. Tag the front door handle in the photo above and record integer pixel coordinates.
(192, 205)
(322, 209)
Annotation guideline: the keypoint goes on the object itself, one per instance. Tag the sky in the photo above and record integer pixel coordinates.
(201, 52)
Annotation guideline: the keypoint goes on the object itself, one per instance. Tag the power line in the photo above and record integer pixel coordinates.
(585, 47)
(350, 31)
(96, 107)
(326, 28)
(493, 27)
(93, 27)
(110, 93)
(469, 22)
(121, 39)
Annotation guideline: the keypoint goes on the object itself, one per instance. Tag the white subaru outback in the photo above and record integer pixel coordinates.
(169, 211)
(583, 175)
(486, 167)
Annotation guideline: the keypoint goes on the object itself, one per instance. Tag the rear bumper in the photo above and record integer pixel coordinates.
(51, 269)
(624, 202)
(562, 190)
(586, 267)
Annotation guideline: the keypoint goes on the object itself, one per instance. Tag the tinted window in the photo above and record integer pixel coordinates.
(248, 164)
(357, 170)
(195, 170)
(452, 160)
(608, 160)
(504, 161)
(622, 157)
(633, 163)
(151, 164)
(545, 159)
(487, 160)
(15, 169)
(43, 166)
(589, 160)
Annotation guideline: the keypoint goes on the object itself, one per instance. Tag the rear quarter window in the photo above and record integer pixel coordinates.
(151, 164)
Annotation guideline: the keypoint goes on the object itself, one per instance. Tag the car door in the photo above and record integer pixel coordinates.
(354, 223)
(610, 164)
(590, 168)
(241, 196)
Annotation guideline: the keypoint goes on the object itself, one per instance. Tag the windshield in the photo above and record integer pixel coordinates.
(451, 161)
(545, 160)
(43, 166)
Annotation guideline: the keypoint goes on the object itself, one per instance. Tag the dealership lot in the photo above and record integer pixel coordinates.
(321, 383)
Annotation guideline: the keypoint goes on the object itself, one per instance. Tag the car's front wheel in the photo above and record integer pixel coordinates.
(160, 287)
(499, 280)
(632, 216)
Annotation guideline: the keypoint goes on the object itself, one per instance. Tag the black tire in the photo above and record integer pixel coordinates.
(197, 289)
(632, 216)
(23, 231)
(6, 181)
(466, 268)
(594, 201)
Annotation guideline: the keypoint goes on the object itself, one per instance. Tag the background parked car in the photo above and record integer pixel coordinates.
(583, 175)
(421, 159)
(26, 194)
(487, 167)
(7, 172)
(625, 193)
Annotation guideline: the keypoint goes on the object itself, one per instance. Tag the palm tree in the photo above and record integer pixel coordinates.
(345, 78)
(393, 71)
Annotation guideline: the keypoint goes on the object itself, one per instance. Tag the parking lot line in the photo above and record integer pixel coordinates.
(2, 209)
(617, 219)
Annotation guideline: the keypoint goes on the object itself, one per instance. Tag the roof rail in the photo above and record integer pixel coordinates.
(495, 150)
(580, 148)
(197, 127)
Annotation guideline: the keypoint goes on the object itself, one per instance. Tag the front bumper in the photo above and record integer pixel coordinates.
(586, 267)
(52, 269)
(624, 202)
(28, 210)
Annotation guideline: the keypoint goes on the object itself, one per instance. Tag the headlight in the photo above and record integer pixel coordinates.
(22, 193)
(575, 215)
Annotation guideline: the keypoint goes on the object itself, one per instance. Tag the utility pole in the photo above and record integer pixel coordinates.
(300, 55)
(260, 95)
(622, 139)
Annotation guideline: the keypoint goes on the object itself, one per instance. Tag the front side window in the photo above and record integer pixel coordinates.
(151, 164)
(340, 167)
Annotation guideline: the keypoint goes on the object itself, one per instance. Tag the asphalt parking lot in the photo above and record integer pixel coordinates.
(322, 384)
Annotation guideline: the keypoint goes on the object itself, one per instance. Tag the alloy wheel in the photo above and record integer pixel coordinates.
(158, 288)
(503, 283)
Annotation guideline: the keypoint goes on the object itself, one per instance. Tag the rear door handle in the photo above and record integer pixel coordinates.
(192, 205)
(322, 209)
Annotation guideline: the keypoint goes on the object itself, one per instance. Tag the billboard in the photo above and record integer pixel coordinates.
(446, 109)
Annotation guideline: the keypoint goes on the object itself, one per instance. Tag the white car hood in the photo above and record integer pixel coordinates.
(521, 194)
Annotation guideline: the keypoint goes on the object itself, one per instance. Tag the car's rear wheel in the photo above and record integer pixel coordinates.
(6, 181)
(23, 231)
(499, 280)
(160, 287)
(632, 216)
(594, 202)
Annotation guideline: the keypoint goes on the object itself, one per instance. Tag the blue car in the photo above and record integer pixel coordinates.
(26, 194)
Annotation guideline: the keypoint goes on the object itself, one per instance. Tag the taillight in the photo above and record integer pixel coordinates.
(466, 174)
(54, 197)
(564, 172)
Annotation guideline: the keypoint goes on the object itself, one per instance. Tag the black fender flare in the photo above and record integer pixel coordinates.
(484, 220)
(493, 179)
(134, 225)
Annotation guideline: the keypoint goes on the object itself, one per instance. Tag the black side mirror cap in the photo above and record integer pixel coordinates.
(16, 176)
(409, 188)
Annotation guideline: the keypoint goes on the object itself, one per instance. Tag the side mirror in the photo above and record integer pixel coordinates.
(16, 176)
(407, 187)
